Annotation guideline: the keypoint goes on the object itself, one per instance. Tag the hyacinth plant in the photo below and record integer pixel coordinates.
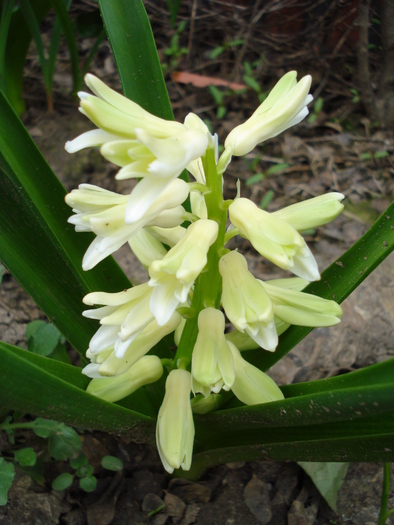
(198, 275)
(182, 358)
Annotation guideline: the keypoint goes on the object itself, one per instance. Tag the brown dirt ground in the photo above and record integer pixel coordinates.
(328, 155)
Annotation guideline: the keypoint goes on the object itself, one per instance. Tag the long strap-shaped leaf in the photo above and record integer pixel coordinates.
(15, 57)
(36, 244)
(42, 387)
(135, 53)
(351, 418)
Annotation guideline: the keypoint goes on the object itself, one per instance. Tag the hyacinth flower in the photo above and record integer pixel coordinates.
(175, 426)
(246, 303)
(173, 276)
(122, 319)
(284, 107)
(144, 146)
(192, 275)
(212, 362)
(274, 239)
(104, 212)
(147, 370)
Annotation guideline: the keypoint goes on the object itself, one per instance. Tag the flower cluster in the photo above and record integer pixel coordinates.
(178, 231)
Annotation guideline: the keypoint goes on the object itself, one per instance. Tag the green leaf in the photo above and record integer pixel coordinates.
(68, 30)
(39, 248)
(318, 105)
(327, 478)
(277, 168)
(7, 474)
(18, 42)
(111, 463)
(84, 471)
(89, 25)
(252, 83)
(64, 443)
(216, 52)
(44, 427)
(257, 177)
(63, 481)
(346, 418)
(26, 457)
(135, 53)
(79, 461)
(381, 154)
(267, 199)
(173, 6)
(44, 340)
(44, 387)
(88, 484)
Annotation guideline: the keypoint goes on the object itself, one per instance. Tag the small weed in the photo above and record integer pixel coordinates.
(63, 444)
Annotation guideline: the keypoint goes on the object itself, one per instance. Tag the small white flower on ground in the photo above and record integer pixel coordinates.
(274, 239)
(173, 276)
(245, 301)
(175, 426)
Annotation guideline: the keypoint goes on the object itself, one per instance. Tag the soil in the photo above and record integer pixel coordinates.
(337, 152)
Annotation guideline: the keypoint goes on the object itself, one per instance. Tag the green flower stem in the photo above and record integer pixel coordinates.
(383, 514)
(207, 290)
(12, 426)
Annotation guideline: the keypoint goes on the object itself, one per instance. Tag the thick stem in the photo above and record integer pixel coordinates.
(207, 289)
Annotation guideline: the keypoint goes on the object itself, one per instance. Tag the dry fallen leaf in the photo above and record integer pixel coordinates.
(184, 77)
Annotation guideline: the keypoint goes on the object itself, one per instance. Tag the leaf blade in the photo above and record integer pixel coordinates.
(136, 56)
(57, 399)
(40, 248)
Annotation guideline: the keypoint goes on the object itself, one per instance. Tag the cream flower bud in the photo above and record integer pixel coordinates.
(145, 146)
(168, 236)
(251, 385)
(212, 362)
(123, 318)
(120, 116)
(147, 370)
(245, 301)
(312, 212)
(103, 213)
(172, 155)
(146, 248)
(175, 426)
(173, 276)
(302, 309)
(129, 353)
(198, 205)
(284, 107)
(274, 239)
